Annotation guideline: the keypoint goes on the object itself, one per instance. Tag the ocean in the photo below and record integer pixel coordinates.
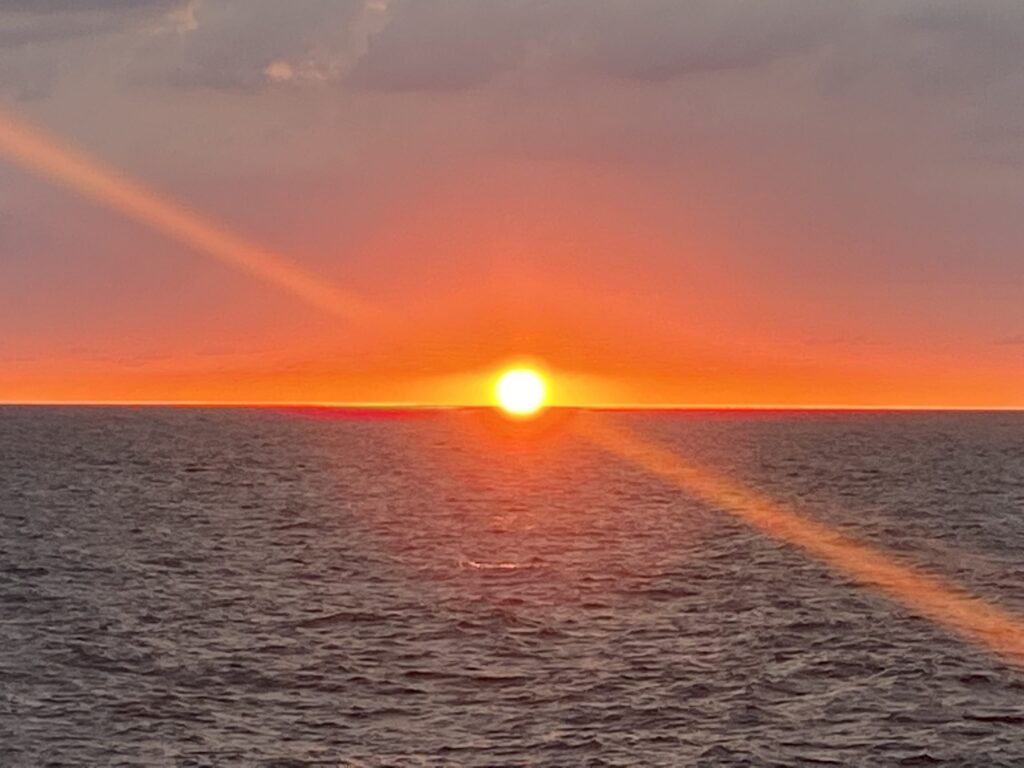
(291, 587)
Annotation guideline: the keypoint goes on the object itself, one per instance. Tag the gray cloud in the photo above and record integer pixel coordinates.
(460, 44)
(930, 48)
(448, 45)
(935, 49)
(923, 47)
(24, 22)
(235, 42)
(21, 29)
(960, 60)
(457, 44)
(78, 6)
(657, 40)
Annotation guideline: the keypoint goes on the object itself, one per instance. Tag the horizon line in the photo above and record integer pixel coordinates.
(409, 406)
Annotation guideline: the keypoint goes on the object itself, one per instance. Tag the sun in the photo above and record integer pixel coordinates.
(521, 392)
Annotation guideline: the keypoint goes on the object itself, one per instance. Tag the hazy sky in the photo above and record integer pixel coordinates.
(723, 201)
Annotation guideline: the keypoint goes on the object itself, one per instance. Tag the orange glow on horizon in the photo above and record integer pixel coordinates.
(406, 380)
(931, 597)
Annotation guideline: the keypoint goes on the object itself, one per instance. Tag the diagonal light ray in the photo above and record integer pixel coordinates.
(943, 602)
(39, 153)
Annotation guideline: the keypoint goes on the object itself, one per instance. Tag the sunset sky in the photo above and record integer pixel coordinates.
(720, 202)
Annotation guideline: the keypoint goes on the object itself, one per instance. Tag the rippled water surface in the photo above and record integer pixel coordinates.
(239, 587)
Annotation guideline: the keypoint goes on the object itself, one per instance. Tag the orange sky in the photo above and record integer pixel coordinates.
(552, 289)
(753, 235)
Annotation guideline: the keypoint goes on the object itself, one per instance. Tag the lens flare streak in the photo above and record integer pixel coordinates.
(31, 149)
(929, 596)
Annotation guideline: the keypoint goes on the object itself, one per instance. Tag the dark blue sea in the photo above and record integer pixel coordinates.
(260, 587)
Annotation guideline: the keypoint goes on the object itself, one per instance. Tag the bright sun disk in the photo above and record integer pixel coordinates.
(521, 391)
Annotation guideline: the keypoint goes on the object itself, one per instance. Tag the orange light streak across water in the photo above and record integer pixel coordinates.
(948, 605)
(33, 150)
